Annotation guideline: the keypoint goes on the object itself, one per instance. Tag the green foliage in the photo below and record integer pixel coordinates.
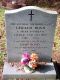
(1, 59)
(2, 30)
(2, 36)
(1, 13)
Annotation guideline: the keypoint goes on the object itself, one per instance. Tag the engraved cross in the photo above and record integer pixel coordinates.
(31, 14)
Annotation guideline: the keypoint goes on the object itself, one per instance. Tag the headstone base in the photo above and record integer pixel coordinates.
(46, 72)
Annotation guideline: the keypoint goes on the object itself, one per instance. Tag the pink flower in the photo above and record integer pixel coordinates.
(26, 55)
(25, 58)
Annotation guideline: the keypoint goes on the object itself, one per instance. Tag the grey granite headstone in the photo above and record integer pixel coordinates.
(30, 29)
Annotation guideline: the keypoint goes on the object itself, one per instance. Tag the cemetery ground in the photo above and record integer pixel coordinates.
(56, 45)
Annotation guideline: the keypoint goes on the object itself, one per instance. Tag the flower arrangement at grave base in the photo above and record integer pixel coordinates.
(30, 62)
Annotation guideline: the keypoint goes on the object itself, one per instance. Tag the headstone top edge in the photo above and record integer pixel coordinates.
(30, 7)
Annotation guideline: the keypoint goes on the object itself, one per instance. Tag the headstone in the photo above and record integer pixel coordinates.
(30, 29)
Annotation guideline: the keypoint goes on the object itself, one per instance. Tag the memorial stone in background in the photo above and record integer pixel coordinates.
(30, 29)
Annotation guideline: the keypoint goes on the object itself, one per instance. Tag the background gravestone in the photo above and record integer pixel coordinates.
(30, 29)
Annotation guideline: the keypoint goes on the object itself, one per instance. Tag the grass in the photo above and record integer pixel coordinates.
(2, 36)
(1, 13)
(2, 30)
(57, 35)
(1, 59)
